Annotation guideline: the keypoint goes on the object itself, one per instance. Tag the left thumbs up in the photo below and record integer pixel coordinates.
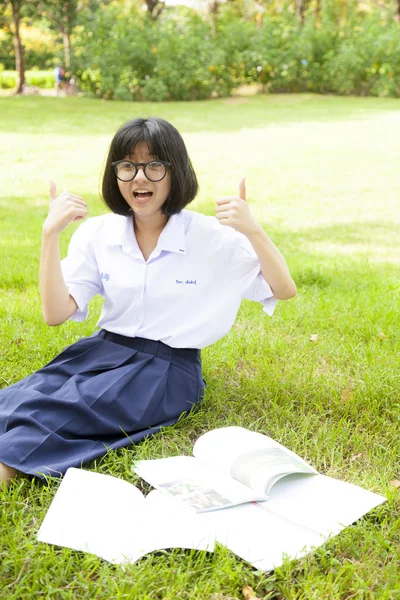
(242, 188)
(235, 212)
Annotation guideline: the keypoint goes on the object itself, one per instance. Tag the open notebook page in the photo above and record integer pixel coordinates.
(110, 517)
(321, 503)
(252, 458)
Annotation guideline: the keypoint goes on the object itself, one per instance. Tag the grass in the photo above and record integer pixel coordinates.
(322, 177)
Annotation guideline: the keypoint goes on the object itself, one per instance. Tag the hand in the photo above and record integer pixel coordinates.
(234, 211)
(63, 209)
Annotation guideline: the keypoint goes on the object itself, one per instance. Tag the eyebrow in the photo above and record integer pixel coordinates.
(152, 157)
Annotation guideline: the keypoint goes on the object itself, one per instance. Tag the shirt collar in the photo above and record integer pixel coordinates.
(172, 238)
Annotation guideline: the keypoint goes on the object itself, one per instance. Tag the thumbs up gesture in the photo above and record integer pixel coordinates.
(234, 211)
(63, 209)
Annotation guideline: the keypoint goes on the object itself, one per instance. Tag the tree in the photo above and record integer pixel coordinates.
(300, 8)
(62, 15)
(16, 9)
(155, 8)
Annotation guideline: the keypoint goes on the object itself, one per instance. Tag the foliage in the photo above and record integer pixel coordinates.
(119, 51)
(175, 58)
(40, 79)
(40, 49)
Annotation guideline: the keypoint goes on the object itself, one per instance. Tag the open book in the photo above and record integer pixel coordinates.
(232, 466)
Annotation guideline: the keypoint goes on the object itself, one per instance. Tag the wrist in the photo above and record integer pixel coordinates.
(254, 230)
(48, 232)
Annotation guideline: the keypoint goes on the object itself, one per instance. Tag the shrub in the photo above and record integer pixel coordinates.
(41, 79)
(182, 56)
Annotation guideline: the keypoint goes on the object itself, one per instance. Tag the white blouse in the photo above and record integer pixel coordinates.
(187, 293)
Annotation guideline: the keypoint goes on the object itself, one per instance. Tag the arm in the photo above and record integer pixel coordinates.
(234, 211)
(57, 304)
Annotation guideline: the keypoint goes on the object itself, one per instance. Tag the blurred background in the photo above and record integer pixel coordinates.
(150, 50)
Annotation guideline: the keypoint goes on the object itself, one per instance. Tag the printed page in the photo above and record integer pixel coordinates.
(258, 536)
(168, 525)
(193, 483)
(110, 518)
(254, 459)
(321, 503)
(89, 513)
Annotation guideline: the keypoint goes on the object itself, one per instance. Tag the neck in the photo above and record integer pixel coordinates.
(152, 226)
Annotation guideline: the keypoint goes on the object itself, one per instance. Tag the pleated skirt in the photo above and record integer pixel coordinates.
(104, 392)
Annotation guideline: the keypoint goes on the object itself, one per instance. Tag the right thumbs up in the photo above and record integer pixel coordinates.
(53, 190)
(63, 209)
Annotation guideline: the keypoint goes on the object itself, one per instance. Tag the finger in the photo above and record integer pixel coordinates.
(225, 199)
(77, 199)
(74, 196)
(223, 207)
(242, 188)
(80, 214)
(53, 189)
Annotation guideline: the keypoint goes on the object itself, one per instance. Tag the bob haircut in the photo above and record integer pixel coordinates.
(164, 142)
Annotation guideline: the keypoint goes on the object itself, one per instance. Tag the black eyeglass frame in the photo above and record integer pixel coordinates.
(136, 165)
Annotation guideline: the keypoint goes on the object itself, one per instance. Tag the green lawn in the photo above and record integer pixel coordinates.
(323, 178)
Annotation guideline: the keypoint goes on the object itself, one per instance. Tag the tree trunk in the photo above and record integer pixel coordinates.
(300, 7)
(154, 8)
(318, 12)
(67, 49)
(19, 49)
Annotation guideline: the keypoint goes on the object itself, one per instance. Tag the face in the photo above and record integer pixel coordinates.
(143, 196)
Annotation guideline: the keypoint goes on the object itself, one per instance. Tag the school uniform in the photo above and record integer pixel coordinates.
(142, 369)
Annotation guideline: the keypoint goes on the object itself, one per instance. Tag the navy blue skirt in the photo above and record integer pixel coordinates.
(104, 392)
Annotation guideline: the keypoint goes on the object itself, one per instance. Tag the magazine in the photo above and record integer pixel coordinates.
(198, 502)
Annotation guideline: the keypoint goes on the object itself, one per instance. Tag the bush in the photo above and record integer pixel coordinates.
(182, 56)
(41, 79)
(173, 59)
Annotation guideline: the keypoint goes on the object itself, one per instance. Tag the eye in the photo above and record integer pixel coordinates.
(155, 164)
(126, 166)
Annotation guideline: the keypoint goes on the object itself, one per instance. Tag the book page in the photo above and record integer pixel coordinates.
(89, 513)
(110, 518)
(168, 525)
(259, 537)
(254, 459)
(193, 483)
(300, 515)
(321, 503)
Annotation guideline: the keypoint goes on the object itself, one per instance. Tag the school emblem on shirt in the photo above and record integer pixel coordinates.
(105, 276)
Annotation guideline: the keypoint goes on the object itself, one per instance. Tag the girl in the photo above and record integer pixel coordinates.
(172, 282)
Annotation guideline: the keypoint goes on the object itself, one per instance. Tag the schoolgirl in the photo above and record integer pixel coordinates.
(172, 282)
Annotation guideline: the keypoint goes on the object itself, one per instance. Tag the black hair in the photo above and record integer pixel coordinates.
(165, 143)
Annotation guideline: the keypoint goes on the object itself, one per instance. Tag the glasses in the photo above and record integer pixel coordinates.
(155, 170)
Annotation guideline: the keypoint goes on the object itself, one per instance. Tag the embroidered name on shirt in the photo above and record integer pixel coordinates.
(105, 276)
(187, 282)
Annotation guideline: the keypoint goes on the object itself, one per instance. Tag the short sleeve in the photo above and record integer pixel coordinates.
(254, 285)
(80, 271)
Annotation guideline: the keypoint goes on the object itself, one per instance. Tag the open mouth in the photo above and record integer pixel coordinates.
(142, 194)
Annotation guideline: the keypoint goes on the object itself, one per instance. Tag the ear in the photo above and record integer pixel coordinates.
(242, 189)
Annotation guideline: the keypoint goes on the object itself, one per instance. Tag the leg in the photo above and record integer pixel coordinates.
(6, 474)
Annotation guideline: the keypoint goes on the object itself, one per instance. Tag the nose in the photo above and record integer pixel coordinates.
(140, 176)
